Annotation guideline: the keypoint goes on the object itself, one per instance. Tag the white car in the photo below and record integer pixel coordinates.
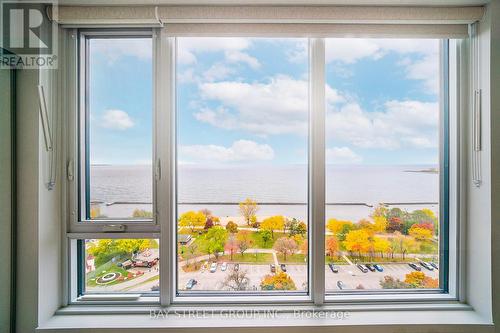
(213, 267)
(223, 267)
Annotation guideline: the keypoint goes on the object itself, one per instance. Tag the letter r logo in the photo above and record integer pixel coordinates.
(26, 28)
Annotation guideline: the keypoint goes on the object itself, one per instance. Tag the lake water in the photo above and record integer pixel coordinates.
(216, 188)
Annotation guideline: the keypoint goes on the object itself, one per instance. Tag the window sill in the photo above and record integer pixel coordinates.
(387, 318)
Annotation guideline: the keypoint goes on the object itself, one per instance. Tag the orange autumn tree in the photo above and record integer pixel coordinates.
(278, 281)
(332, 246)
(420, 280)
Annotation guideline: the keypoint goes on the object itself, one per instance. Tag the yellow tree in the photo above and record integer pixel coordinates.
(381, 245)
(192, 220)
(248, 209)
(421, 234)
(278, 281)
(379, 224)
(273, 223)
(358, 241)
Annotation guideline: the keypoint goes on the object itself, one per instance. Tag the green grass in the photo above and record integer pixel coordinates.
(100, 271)
(336, 260)
(258, 242)
(292, 259)
(249, 258)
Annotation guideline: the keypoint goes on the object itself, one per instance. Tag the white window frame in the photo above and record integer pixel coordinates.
(164, 225)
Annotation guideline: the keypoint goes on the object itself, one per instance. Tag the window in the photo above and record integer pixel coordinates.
(242, 184)
(383, 164)
(200, 177)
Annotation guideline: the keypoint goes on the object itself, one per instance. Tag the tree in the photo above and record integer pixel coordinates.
(420, 280)
(209, 223)
(379, 224)
(404, 243)
(285, 246)
(248, 209)
(231, 246)
(304, 248)
(389, 282)
(244, 241)
(357, 241)
(192, 220)
(191, 249)
(394, 224)
(420, 232)
(340, 228)
(332, 246)
(105, 249)
(236, 280)
(295, 227)
(266, 236)
(278, 281)
(214, 240)
(381, 245)
(95, 213)
(206, 212)
(273, 223)
(138, 213)
(232, 227)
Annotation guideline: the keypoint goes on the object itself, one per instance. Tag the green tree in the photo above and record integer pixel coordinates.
(266, 236)
(192, 220)
(214, 240)
(296, 227)
(248, 209)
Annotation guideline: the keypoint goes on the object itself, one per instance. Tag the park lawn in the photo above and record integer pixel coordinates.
(153, 278)
(336, 260)
(248, 258)
(297, 258)
(258, 242)
(101, 271)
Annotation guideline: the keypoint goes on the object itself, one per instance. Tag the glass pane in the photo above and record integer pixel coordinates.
(382, 169)
(242, 108)
(119, 128)
(121, 265)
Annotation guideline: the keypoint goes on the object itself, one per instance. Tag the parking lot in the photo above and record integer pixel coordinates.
(350, 275)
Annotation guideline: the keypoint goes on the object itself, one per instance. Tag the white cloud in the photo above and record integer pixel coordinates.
(187, 48)
(116, 119)
(241, 150)
(241, 57)
(342, 155)
(114, 49)
(425, 67)
(276, 107)
(399, 124)
(217, 71)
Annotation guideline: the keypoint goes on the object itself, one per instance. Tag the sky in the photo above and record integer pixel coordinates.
(244, 101)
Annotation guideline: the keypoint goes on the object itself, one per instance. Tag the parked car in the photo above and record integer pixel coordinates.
(333, 268)
(378, 267)
(415, 267)
(340, 284)
(191, 283)
(156, 287)
(362, 268)
(223, 267)
(213, 267)
(236, 267)
(426, 265)
(283, 267)
(370, 267)
(273, 268)
(433, 264)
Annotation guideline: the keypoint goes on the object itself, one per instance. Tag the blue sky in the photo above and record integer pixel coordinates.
(244, 101)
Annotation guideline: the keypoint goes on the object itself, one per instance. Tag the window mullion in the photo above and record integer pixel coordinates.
(317, 169)
(165, 157)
